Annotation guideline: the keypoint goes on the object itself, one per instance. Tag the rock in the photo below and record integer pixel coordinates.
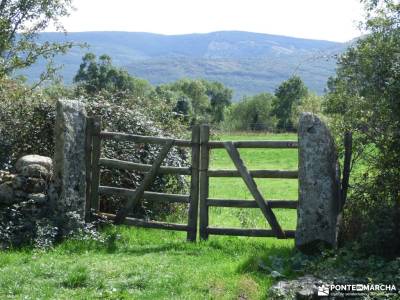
(319, 186)
(36, 185)
(305, 294)
(23, 186)
(19, 182)
(20, 195)
(35, 171)
(69, 156)
(29, 184)
(6, 193)
(276, 274)
(6, 176)
(305, 287)
(37, 198)
(27, 160)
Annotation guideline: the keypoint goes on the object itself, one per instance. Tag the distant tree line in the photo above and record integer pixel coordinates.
(273, 112)
(202, 101)
(196, 100)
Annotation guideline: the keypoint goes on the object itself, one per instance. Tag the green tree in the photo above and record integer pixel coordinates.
(97, 75)
(183, 106)
(196, 91)
(310, 103)
(208, 100)
(288, 95)
(364, 98)
(220, 98)
(252, 113)
(21, 21)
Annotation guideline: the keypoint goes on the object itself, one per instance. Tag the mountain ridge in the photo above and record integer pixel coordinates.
(247, 62)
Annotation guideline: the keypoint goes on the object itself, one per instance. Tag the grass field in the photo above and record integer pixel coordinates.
(234, 188)
(136, 263)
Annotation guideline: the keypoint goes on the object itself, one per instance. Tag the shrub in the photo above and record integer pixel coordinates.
(253, 113)
(364, 97)
(288, 95)
(310, 103)
(27, 121)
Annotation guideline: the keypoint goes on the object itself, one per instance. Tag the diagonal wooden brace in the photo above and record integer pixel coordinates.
(252, 186)
(147, 181)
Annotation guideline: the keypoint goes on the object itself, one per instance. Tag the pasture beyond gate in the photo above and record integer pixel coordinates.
(198, 199)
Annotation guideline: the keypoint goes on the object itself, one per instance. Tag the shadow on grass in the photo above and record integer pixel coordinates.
(137, 241)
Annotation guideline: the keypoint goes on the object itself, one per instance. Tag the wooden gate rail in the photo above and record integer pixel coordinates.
(256, 144)
(248, 232)
(265, 205)
(94, 138)
(255, 173)
(291, 204)
(118, 136)
(148, 224)
(151, 196)
(130, 166)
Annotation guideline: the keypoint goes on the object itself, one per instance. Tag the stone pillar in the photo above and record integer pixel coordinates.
(69, 156)
(319, 186)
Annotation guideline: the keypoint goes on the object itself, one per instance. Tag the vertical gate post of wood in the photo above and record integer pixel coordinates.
(204, 180)
(194, 185)
(88, 158)
(95, 168)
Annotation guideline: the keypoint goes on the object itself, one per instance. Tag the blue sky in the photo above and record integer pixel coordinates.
(334, 20)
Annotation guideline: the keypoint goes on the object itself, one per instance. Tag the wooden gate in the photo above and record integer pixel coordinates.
(247, 176)
(94, 189)
(199, 186)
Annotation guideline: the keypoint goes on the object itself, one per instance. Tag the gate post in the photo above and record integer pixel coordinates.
(194, 185)
(95, 170)
(88, 157)
(204, 180)
(319, 186)
(69, 156)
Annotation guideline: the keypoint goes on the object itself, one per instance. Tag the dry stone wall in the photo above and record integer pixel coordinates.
(24, 201)
(41, 200)
(29, 183)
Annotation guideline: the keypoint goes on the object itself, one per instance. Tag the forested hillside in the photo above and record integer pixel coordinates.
(249, 63)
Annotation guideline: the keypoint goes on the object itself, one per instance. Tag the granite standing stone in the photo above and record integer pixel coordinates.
(319, 186)
(69, 157)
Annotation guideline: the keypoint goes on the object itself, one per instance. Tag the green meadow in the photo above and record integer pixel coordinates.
(234, 188)
(134, 263)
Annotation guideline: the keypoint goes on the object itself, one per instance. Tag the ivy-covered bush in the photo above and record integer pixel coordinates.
(27, 121)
